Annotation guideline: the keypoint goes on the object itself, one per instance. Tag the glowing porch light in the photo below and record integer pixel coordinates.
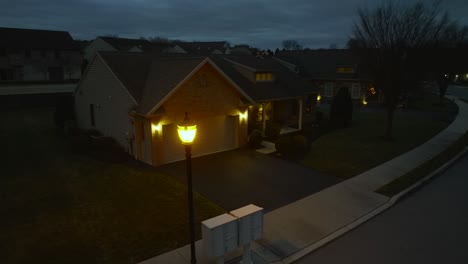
(187, 131)
(319, 97)
(156, 127)
(364, 101)
(243, 116)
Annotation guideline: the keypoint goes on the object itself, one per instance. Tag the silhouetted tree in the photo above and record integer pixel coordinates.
(158, 39)
(394, 42)
(291, 44)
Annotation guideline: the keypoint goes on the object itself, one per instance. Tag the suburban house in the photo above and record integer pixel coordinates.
(138, 99)
(331, 69)
(199, 47)
(38, 55)
(114, 44)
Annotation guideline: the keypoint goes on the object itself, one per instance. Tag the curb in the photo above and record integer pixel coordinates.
(391, 201)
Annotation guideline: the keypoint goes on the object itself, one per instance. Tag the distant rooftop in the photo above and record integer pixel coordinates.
(19, 38)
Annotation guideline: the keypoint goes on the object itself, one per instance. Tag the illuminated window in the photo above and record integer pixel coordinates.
(264, 76)
(345, 70)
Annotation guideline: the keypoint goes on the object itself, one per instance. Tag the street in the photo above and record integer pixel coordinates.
(429, 226)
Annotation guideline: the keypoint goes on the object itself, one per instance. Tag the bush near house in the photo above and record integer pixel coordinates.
(272, 130)
(341, 109)
(255, 138)
(64, 110)
(91, 143)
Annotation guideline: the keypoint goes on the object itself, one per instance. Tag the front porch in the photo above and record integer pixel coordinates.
(277, 117)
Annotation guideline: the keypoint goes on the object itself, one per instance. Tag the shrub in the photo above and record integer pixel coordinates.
(285, 146)
(301, 144)
(341, 109)
(255, 138)
(272, 129)
(93, 133)
(64, 110)
(103, 143)
(80, 143)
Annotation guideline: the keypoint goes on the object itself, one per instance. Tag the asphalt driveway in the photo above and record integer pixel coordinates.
(239, 177)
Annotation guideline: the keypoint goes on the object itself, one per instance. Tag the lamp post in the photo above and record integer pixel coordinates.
(187, 132)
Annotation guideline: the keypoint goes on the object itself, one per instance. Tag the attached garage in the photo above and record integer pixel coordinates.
(215, 134)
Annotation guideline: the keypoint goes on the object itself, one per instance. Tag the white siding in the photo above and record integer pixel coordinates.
(97, 45)
(112, 103)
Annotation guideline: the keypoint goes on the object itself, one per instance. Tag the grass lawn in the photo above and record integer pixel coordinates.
(58, 207)
(350, 151)
(410, 178)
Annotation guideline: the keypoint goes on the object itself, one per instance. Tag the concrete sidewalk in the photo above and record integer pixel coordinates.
(298, 228)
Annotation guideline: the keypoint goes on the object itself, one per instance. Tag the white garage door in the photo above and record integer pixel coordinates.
(213, 135)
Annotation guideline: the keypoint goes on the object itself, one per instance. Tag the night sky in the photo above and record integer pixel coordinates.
(260, 23)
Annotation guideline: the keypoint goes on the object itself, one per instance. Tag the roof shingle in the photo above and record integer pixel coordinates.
(323, 64)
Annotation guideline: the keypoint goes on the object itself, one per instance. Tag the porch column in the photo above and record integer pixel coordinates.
(300, 114)
(263, 119)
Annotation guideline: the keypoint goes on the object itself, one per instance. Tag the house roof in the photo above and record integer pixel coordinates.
(150, 78)
(286, 83)
(164, 75)
(131, 68)
(19, 38)
(124, 44)
(202, 47)
(323, 63)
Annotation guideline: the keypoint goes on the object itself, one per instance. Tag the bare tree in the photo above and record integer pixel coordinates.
(71, 64)
(291, 44)
(394, 42)
(158, 39)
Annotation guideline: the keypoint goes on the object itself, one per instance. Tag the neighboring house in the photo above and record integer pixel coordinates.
(114, 44)
(38, 55)
(331, 69)
(138, 100)
(241, 50)
(199, 47)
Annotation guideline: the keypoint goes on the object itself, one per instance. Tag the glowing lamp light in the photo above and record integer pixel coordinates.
(156, 127)
(319, 97)
(187, 131)
(243, 116)
(364, 102)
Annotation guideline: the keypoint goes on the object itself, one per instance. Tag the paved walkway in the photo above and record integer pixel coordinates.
(292, 230)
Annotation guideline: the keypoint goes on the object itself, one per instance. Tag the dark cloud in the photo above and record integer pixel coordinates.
(262, 23)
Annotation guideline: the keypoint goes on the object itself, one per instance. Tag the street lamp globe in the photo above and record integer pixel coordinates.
(187, 131)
